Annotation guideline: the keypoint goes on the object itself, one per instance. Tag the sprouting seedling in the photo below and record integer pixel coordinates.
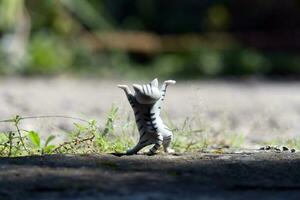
(111, 117)
(35, 139)
(82, 137)
(48, 147)
(16, 121)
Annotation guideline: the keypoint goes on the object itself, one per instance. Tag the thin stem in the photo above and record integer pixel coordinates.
(74, 141)
(20, 136)
(44, 116)
(54, 116)
(10, 143)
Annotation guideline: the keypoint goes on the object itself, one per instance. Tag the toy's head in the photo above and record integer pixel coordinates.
(147, 93)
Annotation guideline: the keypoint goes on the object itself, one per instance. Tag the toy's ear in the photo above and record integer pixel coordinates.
(137, 88)
(154, 83)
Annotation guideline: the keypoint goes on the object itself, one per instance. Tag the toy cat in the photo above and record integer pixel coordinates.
(146, 104)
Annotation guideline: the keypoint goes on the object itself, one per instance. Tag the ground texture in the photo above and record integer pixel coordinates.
(261, 111)
(190, 176)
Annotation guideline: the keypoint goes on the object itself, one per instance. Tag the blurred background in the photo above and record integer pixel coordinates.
(188, 39)
(65, 57)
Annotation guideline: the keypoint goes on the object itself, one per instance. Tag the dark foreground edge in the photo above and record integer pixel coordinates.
(188, 176)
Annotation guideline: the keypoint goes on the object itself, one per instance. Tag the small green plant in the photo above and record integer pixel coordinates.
(86, 137)
(38, 147)
(186, 138)
(111, 117)
(107, 140)
(117, 135)
(234, 140)
(20, 142)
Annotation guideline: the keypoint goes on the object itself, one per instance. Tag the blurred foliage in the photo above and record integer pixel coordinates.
(65, 36)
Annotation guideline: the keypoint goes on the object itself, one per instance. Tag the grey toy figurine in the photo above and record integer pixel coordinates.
(146, 104)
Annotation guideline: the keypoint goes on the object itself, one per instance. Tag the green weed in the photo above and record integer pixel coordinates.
(86, 137)
(117, 135)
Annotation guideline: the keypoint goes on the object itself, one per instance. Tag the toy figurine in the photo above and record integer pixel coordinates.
(146, 104)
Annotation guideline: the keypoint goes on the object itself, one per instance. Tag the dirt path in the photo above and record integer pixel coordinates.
(189, 176)
(261, 111)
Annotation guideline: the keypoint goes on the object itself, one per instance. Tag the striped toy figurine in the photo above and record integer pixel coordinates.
(146, 104)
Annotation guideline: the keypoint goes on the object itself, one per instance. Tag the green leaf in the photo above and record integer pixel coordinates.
(35, 139)
(49, 139)
(48, 149)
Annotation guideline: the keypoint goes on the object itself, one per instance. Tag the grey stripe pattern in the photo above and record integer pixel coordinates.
(146, 104)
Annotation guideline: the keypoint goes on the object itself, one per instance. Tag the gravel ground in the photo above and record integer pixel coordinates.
(260, 110)
(190, 176)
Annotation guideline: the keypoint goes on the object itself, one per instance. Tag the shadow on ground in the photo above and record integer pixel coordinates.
(189, 176)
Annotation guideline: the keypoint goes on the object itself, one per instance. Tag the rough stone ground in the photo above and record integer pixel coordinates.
(190, 176)
(261, 111)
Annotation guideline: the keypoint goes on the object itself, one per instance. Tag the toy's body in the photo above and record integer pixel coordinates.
(146, 104)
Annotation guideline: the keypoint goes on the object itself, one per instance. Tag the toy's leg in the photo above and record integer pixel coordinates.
(166, 144)
(163, 89)
(136, 149)
(157, 144)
